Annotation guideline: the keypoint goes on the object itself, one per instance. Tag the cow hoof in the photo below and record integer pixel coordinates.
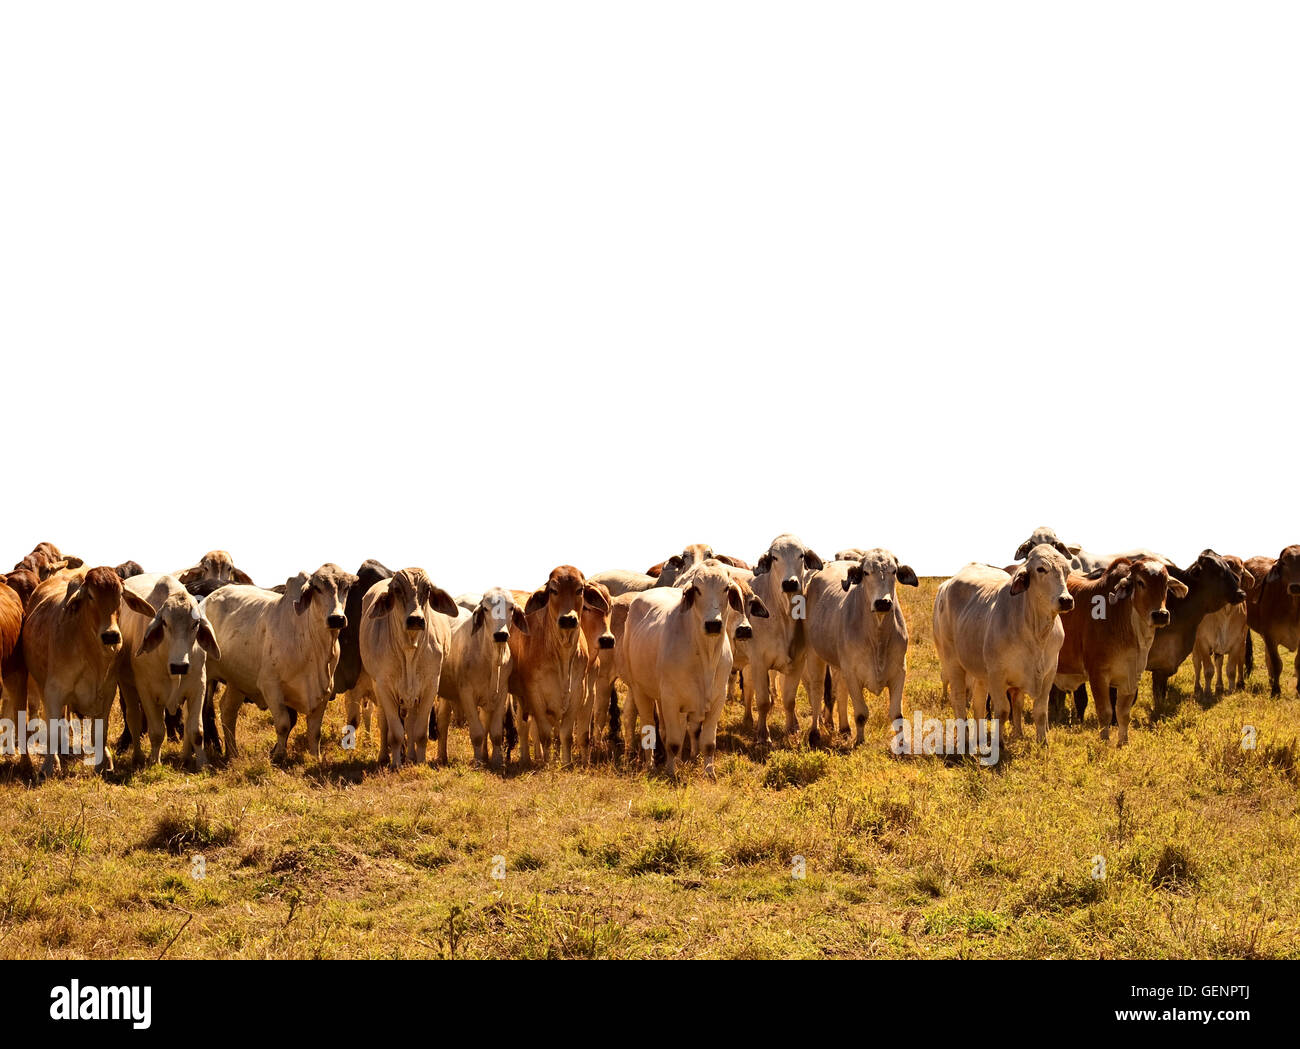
(814, 738)
(747, 723)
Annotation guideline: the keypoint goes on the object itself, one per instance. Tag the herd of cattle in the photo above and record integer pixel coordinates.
(533, 670)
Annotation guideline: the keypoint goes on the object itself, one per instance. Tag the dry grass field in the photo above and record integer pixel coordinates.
(904, 857)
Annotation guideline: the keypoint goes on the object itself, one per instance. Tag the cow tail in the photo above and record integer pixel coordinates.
(615, 718)
(828, 695)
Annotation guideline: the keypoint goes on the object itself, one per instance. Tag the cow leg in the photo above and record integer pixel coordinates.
(545, 734)
(816, 683)
(1296, 667)
(132, 708)
(1081, 700)
(417, 728)
(314, 720)
(671, 721)
(444, 723)
(394, 730)
(231, 700)
(1218, 674)
(1040, 699)
(210, 734)
(192, 745)
(283, 717)
(564, 725)
(896, 684)
(746, 682)
(352, 706)
(1101, 697)
(853, 687)
(763, 701)
(789, 699)
(496, 732)
(639, 702)
(156, 721)
(996, 690)
(524, 730)
(1123, 709)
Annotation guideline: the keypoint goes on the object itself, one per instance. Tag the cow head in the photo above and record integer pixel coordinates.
(790, 562)
(181, 623)
(563, 596)
(876, 573)
(711, 596)
(1042, 534)
(23, 582)
(410, 596)
(595, 621)
(218, 565)
(1223, 580)
(97, 598)
(1286, 571)
(129, 570)
(1146, 583)
(325, 592)
(497, 609)
(1043, 577)
(671, 570)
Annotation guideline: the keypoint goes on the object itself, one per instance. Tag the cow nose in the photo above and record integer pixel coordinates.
(713, 626)
(744, 632)
(1160, 617)
(882, 604)
(790, 585)
(179, 669)
(501, 635)
(415, 622)
(111, 637)
(606, 641)
(336, 621)
(1239, 597)
(569, 620)
(1065, 603)
(1294, 588)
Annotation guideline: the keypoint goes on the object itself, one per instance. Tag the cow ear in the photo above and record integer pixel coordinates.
(207, 639)
(1194, 570)
(735, 598)
(1020, 581)
(1022, 551)
(854, 577)
(676, 561)
(811, 559)
(1177, 587)
(1121, 592)
(152, 638)
(1274, 573)
(764, 565)
(689, 595)
(191, 575)
(1061, 548)
(757, 609)
(441, 601)
(480, 614)
(537, 601)
(593, 598)
(382, 604)
(75, 596)
(241, 577)
(518, 618)
(1073, 548)
(73, 562)
(138, 604)
(907, 576)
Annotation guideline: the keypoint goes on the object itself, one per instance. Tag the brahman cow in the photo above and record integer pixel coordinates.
(348, 670)
(601, 670)
(1081, 560)
(998, 635)
(279, 651)
(71, 636)
(856, 628)
(475, 679)
(621, 581)
(1273, 610)
(779, 640)
(162, 665)
(1211, 584)
(1109, 631)
(216, 565)
(11, 663)
(1221, 637)
(674, 656)
(405, 637)
(549, 663)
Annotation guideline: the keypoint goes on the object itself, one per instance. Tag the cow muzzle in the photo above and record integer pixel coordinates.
(568, 621)
(415, 622)
(713, 626)
(1293, 589)
(1239, 597)
(1160, 617)
(790, 586)
(605, 641)
(1065, 603)
(336, 621)
(111, 637)
(501, 636)
(744, 632)
(882, 604)
(178, 669)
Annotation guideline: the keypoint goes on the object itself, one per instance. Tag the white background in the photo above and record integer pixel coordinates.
(492, 287)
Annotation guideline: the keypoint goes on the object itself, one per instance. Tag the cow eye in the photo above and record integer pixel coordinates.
(1042, 569)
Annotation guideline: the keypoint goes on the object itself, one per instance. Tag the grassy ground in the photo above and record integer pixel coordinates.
(902, 857)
